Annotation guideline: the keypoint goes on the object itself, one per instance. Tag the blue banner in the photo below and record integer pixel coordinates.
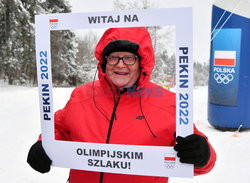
(225, 64)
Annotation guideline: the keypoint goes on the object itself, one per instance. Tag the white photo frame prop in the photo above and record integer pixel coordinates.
(137, 160)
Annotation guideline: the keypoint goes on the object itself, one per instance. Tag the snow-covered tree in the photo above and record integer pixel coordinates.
(17, 56)
(17, 41)
(32, 8)
(86, 61)
(63, 57)
(56, 6)
(133, 4)
(2, 35)
(201, 72)
(14, 34)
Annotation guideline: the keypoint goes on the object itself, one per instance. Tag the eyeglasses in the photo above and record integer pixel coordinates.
(127, 59)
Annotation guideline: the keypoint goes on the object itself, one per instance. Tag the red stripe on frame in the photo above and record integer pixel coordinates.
(224, 61)
(169, 158)
(53, 20)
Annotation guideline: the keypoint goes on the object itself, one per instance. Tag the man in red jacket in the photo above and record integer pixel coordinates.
(119, 109)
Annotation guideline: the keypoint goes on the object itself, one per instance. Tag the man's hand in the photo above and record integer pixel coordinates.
(193, 149)
(38, 159)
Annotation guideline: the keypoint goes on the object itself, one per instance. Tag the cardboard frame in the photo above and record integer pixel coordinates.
(147, 160)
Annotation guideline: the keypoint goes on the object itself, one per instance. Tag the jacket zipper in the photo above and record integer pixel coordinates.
(113, 116)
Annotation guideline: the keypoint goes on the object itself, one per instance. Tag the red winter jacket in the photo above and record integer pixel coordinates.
(145, 116)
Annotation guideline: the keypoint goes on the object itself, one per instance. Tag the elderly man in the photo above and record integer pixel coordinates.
(117, 109)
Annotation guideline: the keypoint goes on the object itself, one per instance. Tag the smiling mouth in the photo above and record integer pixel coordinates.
(121, 73)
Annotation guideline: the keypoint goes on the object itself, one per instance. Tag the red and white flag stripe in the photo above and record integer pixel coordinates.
(225, 58)
(53, 20)
(169, 158)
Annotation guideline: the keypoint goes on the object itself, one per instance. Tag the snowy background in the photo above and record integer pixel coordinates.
(20, 126)
(19, 108)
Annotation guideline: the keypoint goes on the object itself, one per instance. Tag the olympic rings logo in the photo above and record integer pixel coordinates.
(170, 165)
(53, 25)
(223, 78)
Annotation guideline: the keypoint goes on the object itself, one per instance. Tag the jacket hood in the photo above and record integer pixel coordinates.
(138, 35)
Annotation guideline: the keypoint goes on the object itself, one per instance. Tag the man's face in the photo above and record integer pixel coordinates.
(121, 75)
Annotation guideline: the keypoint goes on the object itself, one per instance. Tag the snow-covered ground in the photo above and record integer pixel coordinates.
(20, 126)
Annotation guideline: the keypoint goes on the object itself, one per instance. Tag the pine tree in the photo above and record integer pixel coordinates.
(2, 35)
(13, 44)
(201, 72)
(63, 51)
(86, 61)
(32, 7)
(17, 41)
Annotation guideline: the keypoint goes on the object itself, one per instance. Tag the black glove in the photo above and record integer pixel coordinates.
(38, 159)
(193, 149)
